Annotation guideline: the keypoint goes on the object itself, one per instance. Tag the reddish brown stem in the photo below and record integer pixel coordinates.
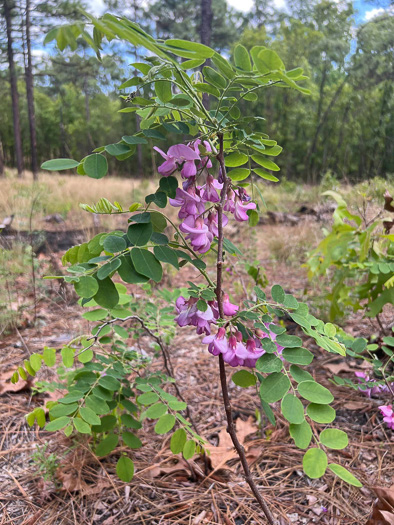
(223, 380)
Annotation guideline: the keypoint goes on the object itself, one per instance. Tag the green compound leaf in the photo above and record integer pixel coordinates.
(107, 295)
(268, 363)
(315, 463)
(163, 90)
(320, 413)
(148, 398)
(95, 315)
(268, 345)
(99, 406)
(85, 356)
(95, 166)
(108, 268)
(140, 233)
(344, 474)
(274, 387)
(166, 255)
(59, 164)
(129, 422)
(131, 440)
(268, 412)
(264, 175)
(289, 341)
(114, 244)
(178, 440)
(299, 374)
(235, 159)
(169, 185)
(165, 424)
(146, 264)
(62, 410)
(334, 438)
(266, 163)
(301, 433)
(125, 469)
(298, 356)
(292, 409)
(35, 362)
(189, 449)
(314, 392)
(127, 271)
(269, 61)
(242, 58)
(89, 416)
(244, 379)
(277, 293)
(49, 356)
(157, 410)
(87, 286)
(76, 395)
(67, 356)
(81, 426)
(107, 445)
(238, 174)
(110, 383)
(57, 424)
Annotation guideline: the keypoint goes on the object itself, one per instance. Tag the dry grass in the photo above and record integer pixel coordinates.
(54, 193)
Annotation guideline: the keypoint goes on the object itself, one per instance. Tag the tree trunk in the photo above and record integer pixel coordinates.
(91, 145)
(14, 89)
(205, 33)
(30, 96)
(309, 161)
(1, 160)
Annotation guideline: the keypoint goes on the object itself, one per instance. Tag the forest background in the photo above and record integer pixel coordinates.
(63, 104)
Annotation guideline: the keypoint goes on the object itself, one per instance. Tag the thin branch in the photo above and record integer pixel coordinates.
(166, 358)
(223, 380)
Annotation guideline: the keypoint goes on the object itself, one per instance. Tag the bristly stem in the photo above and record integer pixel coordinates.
(223, 380)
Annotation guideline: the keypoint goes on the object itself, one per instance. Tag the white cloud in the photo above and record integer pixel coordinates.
(374, 13)
(247, 5)
(241, 5)
(97, 7)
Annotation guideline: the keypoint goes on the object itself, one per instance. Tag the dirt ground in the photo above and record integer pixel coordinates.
(167, 489)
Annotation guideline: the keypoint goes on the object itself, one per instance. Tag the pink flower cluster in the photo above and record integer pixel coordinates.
(388, 413)
(235, 352)
(374, 390)
(189, 315)
(200, 223)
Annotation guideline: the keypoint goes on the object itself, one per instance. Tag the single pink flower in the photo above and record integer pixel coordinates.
(189, 315)
(387, 411)
(197, 232)
(181, 157)
(240, 209)
(217, 344)
(254, 352)
(212, 222)
(236, 351)
(205, 161)
(229, 308)
(210, 194)
(189, 202)
(169, 166)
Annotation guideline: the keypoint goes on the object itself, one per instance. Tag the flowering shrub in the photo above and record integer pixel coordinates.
(106, 396)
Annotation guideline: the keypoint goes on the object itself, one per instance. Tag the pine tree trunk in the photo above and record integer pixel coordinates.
(14, 89)
(30, 96)
(1, 160)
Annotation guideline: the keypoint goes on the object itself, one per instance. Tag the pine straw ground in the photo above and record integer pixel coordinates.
(166, 489)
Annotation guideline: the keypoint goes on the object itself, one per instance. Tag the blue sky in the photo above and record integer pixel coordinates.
(365, 10)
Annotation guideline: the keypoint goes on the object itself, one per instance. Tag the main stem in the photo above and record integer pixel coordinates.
(223, 380)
